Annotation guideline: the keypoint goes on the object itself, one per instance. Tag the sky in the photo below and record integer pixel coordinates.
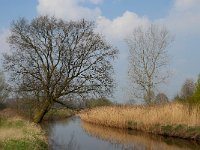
(115, 20)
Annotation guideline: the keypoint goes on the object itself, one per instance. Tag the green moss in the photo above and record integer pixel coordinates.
(24, 144)
(178, 128)
(166, 129)
(5, 123)
(58, 114)
(132, 125)
(193, 131)
(19, 124)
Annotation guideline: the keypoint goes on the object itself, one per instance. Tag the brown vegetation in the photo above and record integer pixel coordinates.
(173, 119)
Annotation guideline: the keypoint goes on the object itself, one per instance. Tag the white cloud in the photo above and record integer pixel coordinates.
(67, 9)
(184, 17)
(183, 20)
(115, 29)
(96, 1)
(185, 4)
(121, 26)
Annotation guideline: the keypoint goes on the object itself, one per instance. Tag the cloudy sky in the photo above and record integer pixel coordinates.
(115, 19)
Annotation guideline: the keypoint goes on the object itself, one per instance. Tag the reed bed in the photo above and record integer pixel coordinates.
(174, 119)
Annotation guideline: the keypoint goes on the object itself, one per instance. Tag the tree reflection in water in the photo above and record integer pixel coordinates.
(71, 145)
(74, 134)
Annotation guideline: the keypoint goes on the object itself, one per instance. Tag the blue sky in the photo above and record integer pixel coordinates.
(116, 19)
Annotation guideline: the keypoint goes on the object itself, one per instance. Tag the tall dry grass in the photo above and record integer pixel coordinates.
(143, 117)
(14, 127)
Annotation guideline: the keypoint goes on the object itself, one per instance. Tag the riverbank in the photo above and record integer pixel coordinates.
(59, 114)
(138, 139)
(19, 134)
(175, 119)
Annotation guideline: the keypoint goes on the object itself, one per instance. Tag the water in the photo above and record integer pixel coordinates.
(74, 134)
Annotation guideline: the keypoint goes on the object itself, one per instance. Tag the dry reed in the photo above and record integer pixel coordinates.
(145, 118)
(13, 126)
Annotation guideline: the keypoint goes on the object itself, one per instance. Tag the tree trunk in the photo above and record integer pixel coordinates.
(41, 113)
(149, 95)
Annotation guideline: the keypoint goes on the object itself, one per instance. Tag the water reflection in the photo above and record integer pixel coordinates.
(74, 134)
(137, 140)
(70, 145)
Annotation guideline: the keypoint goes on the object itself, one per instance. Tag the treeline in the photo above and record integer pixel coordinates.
(190, 92)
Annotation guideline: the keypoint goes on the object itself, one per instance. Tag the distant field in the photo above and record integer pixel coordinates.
(173, 119)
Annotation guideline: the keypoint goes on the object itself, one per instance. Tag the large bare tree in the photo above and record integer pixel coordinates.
(148, 58)
(53, 59)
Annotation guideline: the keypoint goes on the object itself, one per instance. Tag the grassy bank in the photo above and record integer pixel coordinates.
(174, 119)
(19, 134)
(57, 114)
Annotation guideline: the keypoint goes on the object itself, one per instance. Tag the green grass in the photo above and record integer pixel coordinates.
(4, 123)
(24, 144)
(19, 134)
(58, 114)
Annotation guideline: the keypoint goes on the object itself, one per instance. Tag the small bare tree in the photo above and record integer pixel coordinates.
(53, 59)
(148, 58)
(161, 98)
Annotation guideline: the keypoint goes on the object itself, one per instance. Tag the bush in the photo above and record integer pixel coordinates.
(196, 95)
(2, 106)
(187, 90)
(161, 98)
(97, 102)
(190, 93)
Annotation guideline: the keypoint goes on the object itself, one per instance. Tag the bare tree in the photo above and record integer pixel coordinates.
(188, 89)
(53, 59)
(148, 58)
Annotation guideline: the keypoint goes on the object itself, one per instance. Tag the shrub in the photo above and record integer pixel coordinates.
(2, 106)
(187, 90)
(97, 102)
(161, 98)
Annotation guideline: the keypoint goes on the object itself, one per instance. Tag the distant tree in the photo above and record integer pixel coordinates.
(4, 89)
(150, 96)
(98, 102)
(196, 95)
(176, 97)
(131, 102)
(53, 59)
(161, 98)
(188, 89)
(148, 59)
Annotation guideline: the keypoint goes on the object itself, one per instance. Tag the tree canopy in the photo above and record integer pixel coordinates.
(148, 59)
(55, 59)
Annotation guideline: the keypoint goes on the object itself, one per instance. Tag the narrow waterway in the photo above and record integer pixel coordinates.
(74, 134)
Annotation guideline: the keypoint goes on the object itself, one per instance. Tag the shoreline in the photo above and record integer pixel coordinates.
(123, 118)
(163, 130)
